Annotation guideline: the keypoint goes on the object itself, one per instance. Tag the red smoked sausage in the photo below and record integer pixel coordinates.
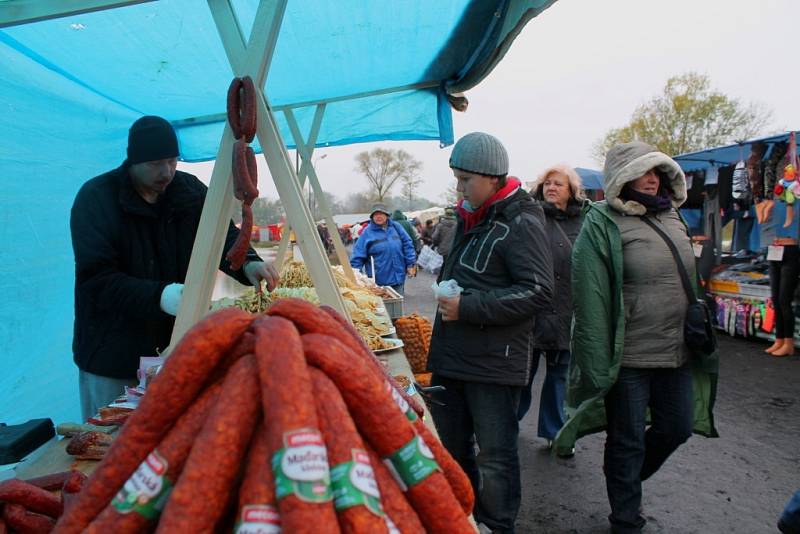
(33, 498)
(258, 507)
(168, 396)
(295, 444)
(199, 498)
(389, 432)
(394, 502)
(134, 508)
(356, 495)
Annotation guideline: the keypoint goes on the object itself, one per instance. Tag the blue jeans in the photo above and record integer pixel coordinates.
(551, 401)
(633, 454)
(790, 518)
(400, 288)
(486, 415)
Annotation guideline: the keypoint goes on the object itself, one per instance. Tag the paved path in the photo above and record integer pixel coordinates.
(735, 484)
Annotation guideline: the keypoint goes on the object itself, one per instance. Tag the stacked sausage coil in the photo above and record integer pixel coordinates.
(242, 119)
(283, 422)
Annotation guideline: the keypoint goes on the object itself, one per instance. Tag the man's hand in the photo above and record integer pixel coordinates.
(412, 271)
(448, 307)
(256, 271)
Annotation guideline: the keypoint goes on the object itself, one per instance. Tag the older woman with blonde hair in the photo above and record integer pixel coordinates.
(560, 192)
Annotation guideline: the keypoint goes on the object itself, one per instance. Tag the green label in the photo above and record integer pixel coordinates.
(402, 403)
(413, 462)
(354, 484)
(301, 467)
(147, 490)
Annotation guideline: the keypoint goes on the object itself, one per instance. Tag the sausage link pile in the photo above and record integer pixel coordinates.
(274, 423)
(242, 119)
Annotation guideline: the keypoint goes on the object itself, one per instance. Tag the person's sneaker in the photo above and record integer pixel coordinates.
(548, 444)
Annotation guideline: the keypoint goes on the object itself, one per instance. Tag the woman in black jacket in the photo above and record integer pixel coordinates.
(559, 189)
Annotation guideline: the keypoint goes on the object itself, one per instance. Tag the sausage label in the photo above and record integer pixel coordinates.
(354, 484)
(391, 526)
(301, 467)
(402, 403)
(147, 490)
(412, 463)
(259, 519)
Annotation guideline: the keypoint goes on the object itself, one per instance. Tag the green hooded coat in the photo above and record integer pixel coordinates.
(400, 218)
(599, 321)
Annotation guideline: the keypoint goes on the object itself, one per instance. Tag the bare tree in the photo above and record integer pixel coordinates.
(450, 195)
(383, 168)
(688, 116)
(411, 183)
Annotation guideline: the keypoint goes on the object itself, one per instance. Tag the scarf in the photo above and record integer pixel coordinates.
(653, 203)
(473, 217)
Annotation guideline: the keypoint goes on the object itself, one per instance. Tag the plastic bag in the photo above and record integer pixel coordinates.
(446, 289)
(430, 260)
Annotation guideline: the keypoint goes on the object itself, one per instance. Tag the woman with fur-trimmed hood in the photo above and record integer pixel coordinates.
(628, 350)
(560, 192)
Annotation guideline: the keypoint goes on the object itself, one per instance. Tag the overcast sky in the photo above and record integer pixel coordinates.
(583, 66)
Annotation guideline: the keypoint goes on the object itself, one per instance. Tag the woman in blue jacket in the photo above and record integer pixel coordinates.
(386, 245)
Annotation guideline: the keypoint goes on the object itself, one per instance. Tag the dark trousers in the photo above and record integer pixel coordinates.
(633, 454)
(551, 401)
(484, 415)
(782, 283)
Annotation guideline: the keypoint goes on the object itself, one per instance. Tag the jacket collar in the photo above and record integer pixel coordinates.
(574, 209)
(508, 208)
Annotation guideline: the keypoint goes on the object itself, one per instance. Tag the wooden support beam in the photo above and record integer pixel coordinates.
(18, 12)
(306, 149)
(301, 178)
(251, 60)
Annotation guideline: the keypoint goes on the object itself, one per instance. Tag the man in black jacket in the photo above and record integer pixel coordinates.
(481, 345)
(133, 230)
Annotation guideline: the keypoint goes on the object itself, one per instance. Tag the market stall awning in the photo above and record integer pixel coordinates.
(592, 180)
(71, 87)
(726, 155)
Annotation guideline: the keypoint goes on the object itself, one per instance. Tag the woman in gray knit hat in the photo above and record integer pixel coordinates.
(481, 345)
(628, 350)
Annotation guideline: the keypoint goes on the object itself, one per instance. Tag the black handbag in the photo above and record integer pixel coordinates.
(698, 329)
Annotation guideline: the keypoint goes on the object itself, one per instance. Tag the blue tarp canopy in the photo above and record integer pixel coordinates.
(591, 179)
(725, 155)
(70, 87)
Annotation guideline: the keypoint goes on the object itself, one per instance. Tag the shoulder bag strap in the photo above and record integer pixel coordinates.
(566, 237)
(687, 285)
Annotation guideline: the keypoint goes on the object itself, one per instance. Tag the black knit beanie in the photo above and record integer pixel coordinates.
(150, 139)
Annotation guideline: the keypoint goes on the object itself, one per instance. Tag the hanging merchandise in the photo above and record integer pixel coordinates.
(769, 318)
(740, 187)
(757, 151)
(741, 319)
(773, 168)
(755, 319)
(788, 188)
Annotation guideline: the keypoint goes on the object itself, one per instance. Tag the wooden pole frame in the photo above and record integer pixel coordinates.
(250, 58)
(306, 149)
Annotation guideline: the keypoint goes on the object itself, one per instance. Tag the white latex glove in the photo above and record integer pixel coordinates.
(171, 298)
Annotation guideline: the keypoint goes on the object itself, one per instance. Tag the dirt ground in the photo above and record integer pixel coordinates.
(737, 483)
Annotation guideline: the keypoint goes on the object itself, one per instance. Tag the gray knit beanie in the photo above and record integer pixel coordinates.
(480, 153)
